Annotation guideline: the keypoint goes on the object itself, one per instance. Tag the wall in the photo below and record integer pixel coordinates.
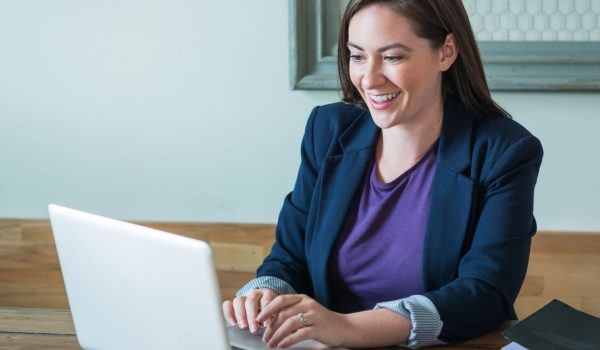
(181, 111)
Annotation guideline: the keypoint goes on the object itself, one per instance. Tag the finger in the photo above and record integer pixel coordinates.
(277, 304)
(270, 329)
(283, 315)
(240, 312)
(264, 301)
(267, 297)
(296, 337)
(278, 321)
(228, 312)
(252, 302)
(267, 322)
(290, 325)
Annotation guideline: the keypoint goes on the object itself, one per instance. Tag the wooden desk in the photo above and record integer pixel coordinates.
(22, 328)
(36, 329)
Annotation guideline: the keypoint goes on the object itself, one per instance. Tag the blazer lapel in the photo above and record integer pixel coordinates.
(451, 200)
(342, 177)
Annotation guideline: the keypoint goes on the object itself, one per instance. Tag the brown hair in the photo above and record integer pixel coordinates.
(432, 20)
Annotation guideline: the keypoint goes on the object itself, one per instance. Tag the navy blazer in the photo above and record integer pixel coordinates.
(480, 222)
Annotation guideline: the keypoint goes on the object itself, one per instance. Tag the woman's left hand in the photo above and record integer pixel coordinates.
(294, 318)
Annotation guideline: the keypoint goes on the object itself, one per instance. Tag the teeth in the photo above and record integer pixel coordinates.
(381, 98)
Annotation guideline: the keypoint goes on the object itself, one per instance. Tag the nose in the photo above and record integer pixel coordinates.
(373, 76)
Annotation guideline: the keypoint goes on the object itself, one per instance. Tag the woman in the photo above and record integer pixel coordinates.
(412, 214)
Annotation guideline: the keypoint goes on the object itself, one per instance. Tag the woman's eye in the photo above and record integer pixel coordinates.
(355, 58)
(393, 58)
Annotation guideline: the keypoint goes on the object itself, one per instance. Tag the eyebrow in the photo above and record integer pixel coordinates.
(384, 48)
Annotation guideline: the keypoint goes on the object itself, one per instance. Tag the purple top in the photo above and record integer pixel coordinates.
(378, 255)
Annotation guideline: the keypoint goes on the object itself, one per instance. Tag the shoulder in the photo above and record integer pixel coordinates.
(500, 142)
(335, 116)
(497, 133)
(498, 129)
(482, 137)
(328, 122)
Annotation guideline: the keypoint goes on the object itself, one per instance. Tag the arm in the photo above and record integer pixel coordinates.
(375, 328)
(417, 309)
(492, 269)
(361, 329)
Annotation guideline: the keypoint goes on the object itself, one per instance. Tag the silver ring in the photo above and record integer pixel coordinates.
(303, 319)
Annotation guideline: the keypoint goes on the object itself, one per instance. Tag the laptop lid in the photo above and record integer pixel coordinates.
(133, 287)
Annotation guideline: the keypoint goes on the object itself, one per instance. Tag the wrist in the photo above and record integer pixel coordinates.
(374, 328)
(347, 328)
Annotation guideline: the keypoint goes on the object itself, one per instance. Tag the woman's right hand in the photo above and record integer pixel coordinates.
(242, 310)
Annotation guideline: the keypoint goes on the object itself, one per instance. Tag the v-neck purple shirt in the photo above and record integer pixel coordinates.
(378, 254)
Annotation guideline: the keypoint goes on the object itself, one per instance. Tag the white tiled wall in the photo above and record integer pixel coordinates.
(535, 20)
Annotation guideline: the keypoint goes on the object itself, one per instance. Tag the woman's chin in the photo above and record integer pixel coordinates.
(383, 120)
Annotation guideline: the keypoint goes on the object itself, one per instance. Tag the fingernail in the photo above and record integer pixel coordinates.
(232, 322)
(243, 324)
(253, 328)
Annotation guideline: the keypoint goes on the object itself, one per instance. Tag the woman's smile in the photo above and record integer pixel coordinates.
(382, 101)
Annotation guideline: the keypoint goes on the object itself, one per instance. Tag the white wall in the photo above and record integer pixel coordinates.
(568, 124)
(181, 111)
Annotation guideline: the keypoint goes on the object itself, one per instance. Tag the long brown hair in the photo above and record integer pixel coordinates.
(432, 20)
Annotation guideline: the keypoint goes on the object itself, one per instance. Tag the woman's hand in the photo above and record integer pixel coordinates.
(294, 318)
(244, 309)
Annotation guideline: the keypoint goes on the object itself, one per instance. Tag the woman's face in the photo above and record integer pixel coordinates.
(397, 73)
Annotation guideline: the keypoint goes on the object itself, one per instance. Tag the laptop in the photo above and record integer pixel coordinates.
(134, 287)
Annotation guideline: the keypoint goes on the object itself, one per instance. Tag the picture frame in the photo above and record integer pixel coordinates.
(509, 65)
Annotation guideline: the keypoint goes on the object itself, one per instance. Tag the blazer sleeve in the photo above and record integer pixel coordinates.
(287, 260)
(493, 267)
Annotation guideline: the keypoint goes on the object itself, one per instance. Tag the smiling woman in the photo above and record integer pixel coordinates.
(412, 214)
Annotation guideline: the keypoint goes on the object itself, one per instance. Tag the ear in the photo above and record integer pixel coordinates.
(448, 53)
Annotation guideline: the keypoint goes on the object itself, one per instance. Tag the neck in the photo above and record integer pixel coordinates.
(408, 142)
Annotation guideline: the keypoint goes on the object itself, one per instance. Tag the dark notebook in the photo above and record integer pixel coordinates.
(557, 326)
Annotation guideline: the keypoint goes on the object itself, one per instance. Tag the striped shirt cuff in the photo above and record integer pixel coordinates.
(424, 316)
(280, 286)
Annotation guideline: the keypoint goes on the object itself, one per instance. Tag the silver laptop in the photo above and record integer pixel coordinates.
(133, 287)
